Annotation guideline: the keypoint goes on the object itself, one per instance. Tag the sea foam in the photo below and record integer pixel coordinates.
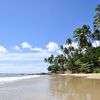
(12, 79)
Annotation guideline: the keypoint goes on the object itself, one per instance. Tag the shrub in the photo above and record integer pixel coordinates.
(96, 70)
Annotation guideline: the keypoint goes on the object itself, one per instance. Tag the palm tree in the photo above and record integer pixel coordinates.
(97, 18)
(96, 35)
(50, 59)
(61, 47)
(66, 51)
(69, 41)
(71, 51)
(45, 60)
(82, 36)
(61, 60)
(71, 48)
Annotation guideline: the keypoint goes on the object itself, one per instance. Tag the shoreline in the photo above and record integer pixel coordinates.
(18, 78)
(51, 88)
(88, 76)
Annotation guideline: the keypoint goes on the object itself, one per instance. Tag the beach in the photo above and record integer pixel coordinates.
(51, 87)
(25, 89)
(89, 76)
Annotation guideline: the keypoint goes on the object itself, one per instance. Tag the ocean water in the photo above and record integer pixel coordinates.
(11, 77)
(13, 74)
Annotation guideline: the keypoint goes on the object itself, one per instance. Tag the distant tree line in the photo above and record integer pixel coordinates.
(85, 58)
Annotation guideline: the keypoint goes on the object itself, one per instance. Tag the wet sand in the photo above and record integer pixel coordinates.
(51, 88)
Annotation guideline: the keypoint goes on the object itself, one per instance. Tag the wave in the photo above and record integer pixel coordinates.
(12, 79)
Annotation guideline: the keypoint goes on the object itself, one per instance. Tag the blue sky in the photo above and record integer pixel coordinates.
(33, 29)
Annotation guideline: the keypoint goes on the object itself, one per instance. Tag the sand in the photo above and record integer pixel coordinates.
(89, 76)
(53, 87)
(28, 89)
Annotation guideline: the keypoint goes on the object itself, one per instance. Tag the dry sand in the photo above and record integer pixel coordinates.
(89, 76)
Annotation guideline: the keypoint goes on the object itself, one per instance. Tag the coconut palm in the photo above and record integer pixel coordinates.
(61, 59)
(66, 51)
(45, 60)
(85, 58)
(82, 36)
(49, 59)
(71, 48)
(97, 18)
(61, 47)
(69, 41)
(96, 35)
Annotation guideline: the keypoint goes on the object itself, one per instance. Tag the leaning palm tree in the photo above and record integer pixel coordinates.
(97, 18)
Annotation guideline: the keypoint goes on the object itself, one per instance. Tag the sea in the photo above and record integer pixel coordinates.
(11, 77)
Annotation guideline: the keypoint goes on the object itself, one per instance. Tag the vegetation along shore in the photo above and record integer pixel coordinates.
(84, 57)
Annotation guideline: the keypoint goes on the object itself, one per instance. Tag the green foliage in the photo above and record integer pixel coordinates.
(82, 35)
(83, 59)
(97, 17)
(53, 68)
(96, 70)
(69, 41)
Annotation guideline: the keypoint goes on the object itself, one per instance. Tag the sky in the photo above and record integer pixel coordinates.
(31, 30)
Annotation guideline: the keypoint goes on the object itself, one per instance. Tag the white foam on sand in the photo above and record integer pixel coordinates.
(12, 79)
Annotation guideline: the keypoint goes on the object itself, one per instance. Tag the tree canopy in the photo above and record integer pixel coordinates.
(85, 58)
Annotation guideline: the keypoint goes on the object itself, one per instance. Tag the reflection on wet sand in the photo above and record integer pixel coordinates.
(51, 88)
(72, 88)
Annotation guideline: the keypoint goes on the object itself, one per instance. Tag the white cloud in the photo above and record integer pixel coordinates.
(23, 56)
(26, 45)
(37, 49)
(52, 46)
(74, 44)
(9, 61)
(28, 68)
(3, 49)
(34, 61)
(96, 43)
(59, 52)
(23, 62)
(17, 48)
